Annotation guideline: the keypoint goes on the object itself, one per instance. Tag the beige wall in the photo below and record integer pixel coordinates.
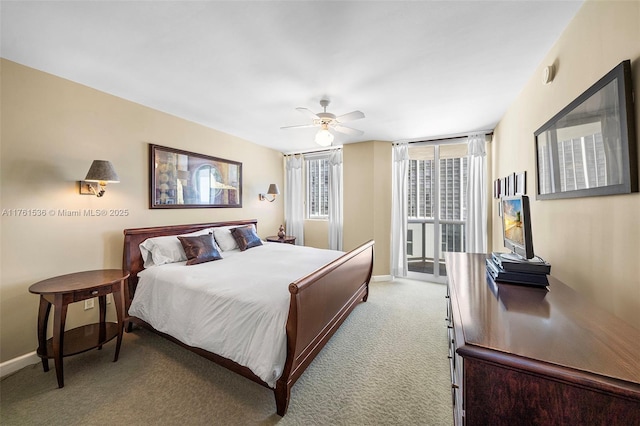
(51, 130)
(367, 203)
(593, 244)
(367, 199)
(316, 233)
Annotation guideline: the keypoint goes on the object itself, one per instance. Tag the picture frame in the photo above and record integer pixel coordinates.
(181, 179)
(521, 183)
(511, 184)
(496, 189)
(589, 148)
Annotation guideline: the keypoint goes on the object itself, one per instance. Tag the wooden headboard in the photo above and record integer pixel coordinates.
(132, 258)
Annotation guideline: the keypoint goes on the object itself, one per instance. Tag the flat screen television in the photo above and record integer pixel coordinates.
(516, 227)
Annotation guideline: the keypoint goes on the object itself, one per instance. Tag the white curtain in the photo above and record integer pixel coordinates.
(477, 195)
(399, 185)
(294, 198)
(335, 199)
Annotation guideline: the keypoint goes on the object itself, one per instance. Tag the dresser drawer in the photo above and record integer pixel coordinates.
(94, 292)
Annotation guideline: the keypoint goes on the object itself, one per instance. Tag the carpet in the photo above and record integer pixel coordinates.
(386, 365)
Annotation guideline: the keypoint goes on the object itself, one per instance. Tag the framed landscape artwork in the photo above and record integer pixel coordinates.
(182, 179)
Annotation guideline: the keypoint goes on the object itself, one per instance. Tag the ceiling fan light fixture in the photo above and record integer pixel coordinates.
(324, 137)
(325, 119)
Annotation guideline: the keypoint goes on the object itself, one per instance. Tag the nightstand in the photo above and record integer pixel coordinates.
(287, 239)
(65, 289)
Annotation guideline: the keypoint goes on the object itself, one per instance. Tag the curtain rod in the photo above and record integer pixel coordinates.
(314, 150)
(445, 137)
(433, 139)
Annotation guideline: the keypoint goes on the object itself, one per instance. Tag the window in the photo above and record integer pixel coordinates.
(453, 185)
(453, 188)
(317, 188)
(436, 204)
(420, 189)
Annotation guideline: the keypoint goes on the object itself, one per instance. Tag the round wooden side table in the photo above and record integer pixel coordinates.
(62, 290)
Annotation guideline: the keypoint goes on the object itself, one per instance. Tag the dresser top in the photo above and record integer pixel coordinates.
(555, 325)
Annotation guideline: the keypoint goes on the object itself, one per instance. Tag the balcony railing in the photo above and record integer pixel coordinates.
(420, 243)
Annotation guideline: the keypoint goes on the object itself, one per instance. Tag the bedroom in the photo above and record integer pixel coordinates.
(41, 163)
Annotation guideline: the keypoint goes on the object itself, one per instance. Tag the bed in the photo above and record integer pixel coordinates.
(316, 303)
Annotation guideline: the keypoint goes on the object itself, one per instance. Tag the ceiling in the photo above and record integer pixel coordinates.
(416, 69)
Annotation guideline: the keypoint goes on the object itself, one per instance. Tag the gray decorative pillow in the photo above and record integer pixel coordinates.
(200, 249)
(246, 237)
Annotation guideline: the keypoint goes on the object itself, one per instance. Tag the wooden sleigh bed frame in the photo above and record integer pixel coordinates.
(319, 304)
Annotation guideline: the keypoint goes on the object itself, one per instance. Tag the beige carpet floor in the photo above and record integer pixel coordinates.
(387, 365)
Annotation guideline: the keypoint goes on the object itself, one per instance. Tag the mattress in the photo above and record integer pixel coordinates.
(236, 307)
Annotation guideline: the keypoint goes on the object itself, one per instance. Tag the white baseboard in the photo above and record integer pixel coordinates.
(381, 278)
(15, 364)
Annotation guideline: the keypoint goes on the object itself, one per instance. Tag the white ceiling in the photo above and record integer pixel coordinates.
(417, 69)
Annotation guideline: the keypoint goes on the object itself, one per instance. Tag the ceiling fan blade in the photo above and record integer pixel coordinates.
(354, 115)
(308, 112)
(347, 130)
(298, 126)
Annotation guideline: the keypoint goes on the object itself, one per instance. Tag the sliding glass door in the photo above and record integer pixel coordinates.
(436, 206)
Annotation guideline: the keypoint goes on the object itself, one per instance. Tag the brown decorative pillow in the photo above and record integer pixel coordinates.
(246, 237)
(200, 249)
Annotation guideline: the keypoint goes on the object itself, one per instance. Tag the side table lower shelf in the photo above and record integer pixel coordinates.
(82, 339)
(59, 292)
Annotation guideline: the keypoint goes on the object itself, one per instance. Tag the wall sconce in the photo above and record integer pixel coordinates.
(273, 190)
(100, 173)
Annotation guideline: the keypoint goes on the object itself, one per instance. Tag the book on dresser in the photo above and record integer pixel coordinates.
(513, 264)
(497, 273)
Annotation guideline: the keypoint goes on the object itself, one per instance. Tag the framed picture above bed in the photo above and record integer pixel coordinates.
(181, 179)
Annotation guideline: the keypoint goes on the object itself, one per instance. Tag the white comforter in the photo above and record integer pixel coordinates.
(236, 307)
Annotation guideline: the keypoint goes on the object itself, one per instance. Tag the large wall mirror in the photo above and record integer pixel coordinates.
(182, 179)
(589, 148)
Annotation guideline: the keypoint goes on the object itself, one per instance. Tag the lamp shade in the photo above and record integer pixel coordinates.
(102, 171)
(273, 189)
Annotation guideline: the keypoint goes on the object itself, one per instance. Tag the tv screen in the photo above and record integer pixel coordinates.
(516, 226)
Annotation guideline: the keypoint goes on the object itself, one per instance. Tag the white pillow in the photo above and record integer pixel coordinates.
(225, 239)
(161, 250)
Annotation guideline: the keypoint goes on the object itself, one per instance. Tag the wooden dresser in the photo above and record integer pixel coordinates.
(532, 356)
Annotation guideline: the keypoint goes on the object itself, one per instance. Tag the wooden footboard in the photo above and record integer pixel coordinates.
(320, 302)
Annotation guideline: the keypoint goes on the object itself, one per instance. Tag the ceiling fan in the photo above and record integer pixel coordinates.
(325, 120)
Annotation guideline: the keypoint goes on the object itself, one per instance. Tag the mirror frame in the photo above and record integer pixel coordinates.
(167, 196)
(621, 75)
